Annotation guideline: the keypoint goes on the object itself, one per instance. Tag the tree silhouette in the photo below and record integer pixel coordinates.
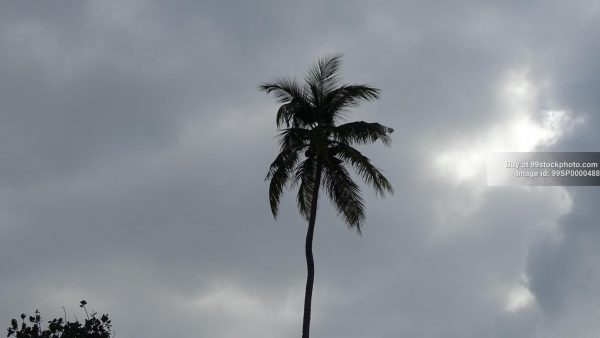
(308, 123)
(93, 327)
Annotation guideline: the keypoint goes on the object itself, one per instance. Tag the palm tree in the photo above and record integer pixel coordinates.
(308, 124)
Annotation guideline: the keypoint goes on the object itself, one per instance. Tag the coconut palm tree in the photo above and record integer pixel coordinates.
(316, 151)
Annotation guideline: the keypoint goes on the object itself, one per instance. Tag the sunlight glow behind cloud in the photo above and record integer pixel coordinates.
(518, 298)
(520, 132)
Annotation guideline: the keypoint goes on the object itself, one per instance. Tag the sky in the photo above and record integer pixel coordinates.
(134, 144)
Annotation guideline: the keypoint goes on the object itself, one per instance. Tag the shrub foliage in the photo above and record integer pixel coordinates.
(92, 327)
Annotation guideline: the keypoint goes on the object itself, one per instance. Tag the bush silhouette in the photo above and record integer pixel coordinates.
(93, 327)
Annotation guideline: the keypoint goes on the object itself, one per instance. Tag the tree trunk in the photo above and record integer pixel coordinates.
(310, 264)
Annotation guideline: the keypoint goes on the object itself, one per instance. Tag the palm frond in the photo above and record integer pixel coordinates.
(279, 174)
(369, 173)
(296, 113)
(323, 77)
(304, 177)
(344, 194)
(284, 89)
(347, 96)
(362, 132)
(293, 138)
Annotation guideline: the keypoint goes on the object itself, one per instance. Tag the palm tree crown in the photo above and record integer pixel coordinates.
(315, 150)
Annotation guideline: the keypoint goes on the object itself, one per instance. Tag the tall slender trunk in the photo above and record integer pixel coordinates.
(310, 263)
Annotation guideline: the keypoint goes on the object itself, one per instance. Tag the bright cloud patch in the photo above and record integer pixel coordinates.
(524, 129)
(518, 298)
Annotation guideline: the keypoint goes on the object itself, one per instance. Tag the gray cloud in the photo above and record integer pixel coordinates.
(134, 144)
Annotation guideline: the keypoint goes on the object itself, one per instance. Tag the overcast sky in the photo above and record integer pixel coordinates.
(134, 145)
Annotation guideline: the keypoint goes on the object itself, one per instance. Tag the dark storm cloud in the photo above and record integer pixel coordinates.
(134, 143)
